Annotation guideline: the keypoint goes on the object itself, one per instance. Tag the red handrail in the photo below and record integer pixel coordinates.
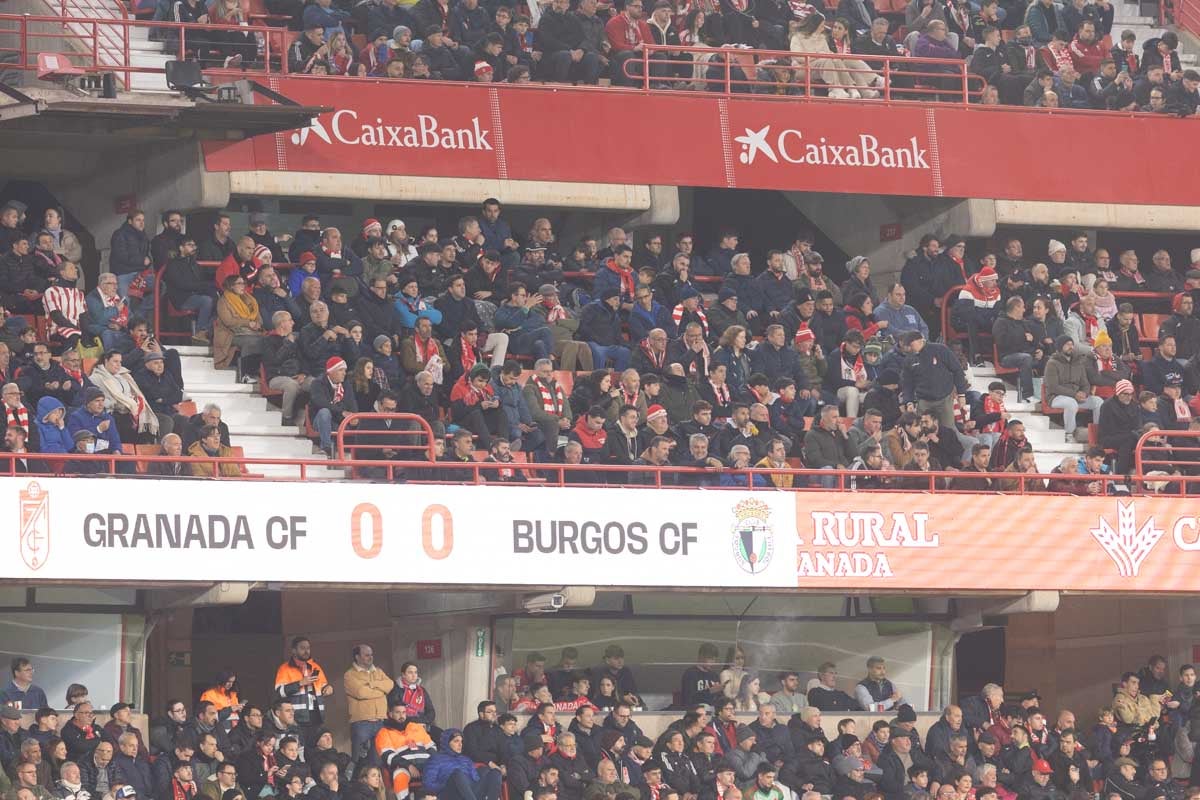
(106, 42)
(1147, 448)
(352, 420)
(925, 73)
(554, 473)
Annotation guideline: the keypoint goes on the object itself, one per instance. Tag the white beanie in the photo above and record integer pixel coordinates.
(1196, 255)
(1055, 246)
(396, 223)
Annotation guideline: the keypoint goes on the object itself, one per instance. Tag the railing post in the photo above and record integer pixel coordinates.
(965, 84)
(728, 75)
(645, 67)
(887, 79)
(807, 77)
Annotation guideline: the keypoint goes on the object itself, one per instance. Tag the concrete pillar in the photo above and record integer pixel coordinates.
(170, 176)
(855, 222)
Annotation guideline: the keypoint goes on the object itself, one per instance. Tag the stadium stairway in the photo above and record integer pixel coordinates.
(254, 424)
(1128, 16)
(1048, 440)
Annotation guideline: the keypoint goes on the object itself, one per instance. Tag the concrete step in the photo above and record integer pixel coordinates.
(247, 403)
(217, 386)
(273, 446)
(194, 350)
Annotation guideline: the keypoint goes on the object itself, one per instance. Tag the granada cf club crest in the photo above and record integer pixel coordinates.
(35, 525)
(753, 538)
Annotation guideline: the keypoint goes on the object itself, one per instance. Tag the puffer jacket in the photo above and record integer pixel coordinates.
(1066, 375)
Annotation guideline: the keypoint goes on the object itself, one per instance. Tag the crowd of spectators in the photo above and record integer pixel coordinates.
(740, 734)
(1043, 53)
(675, 357)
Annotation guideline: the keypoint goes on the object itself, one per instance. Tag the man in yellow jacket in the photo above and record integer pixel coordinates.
(403, 747)
(1130, 706)
(366, 687)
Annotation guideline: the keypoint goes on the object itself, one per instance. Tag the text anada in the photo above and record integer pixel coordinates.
(855, 543)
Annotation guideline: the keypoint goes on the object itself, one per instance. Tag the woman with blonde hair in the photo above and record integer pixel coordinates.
(847, 78)
(731, 676)
(231, 47)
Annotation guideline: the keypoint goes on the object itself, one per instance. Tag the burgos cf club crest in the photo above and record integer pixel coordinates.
(753, 538)
(35, 525)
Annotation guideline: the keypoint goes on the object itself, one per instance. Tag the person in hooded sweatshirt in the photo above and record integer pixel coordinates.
(51, 422)
(451, 775)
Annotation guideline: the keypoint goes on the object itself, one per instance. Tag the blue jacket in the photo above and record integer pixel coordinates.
(513, 404)
(600, 325)
(296, 281)
(81, 419)
(469, 26)
(494, 234)
(331, 17)
(749, 292)
(641, 321)
(136, 773)
(444, 763)
(99, 314)
(900, 320)
(51, 438)
(730, 479)
(33, 697)
(409, 309)
(509, 317)
(129, 250)
(609, 279)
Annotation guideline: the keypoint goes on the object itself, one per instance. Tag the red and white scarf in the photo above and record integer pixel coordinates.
(1091, 325)
(553, 399)
(18, 417)
(555, 312)
(339, 390)
(426, 349)
(701, 317)
(853, 372)
(470, 354)
(654, 358)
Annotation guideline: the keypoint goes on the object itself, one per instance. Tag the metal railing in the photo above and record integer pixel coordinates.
(1155, 452)
(601, 475)
(730, 71)
(102, 44)
(1186, 15)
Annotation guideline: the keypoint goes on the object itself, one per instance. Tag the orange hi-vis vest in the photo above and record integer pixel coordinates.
(304, 699)
(402, 747)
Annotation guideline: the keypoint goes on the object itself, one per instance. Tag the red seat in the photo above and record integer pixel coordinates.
(1150, 325)
(263, 387)
(172, 311)
(996, 362)
(1048, 409)
(56, 65)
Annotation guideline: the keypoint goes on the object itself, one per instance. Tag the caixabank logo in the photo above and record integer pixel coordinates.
(425, 132)
(792, 146)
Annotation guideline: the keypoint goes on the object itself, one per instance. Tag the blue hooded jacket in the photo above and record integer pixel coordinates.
(51, 438)
(445, 762)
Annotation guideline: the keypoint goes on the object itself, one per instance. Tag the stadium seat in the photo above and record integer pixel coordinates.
(263, 388)
(1048, 409)
(187, 408)
(1150, 325)
(996, 363)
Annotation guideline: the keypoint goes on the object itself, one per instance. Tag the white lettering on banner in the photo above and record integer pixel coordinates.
(866, 152)
(154, 531)
(427, 133)
(1185, 532)
(860, 529)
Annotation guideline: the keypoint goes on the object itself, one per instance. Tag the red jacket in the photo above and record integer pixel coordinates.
(1087, 57)
(624, 34)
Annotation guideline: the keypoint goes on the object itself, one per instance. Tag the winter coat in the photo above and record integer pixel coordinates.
(366, 693)
(445, 762)
(1066, 375)
(823, 448)
(129, 250)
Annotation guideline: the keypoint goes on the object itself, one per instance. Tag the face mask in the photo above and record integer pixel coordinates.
(90, 447)
(1025, 41)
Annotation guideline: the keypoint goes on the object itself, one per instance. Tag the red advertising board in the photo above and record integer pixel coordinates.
(605, 135)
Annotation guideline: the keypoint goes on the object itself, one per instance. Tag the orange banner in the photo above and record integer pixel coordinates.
(978, 542)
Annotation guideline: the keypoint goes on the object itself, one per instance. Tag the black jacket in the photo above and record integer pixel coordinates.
(321, 396)
(130, 249)
(557, 32)
(184, 278)
(573, 775)
(814, 770)
(895, 776)
(932, 374)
